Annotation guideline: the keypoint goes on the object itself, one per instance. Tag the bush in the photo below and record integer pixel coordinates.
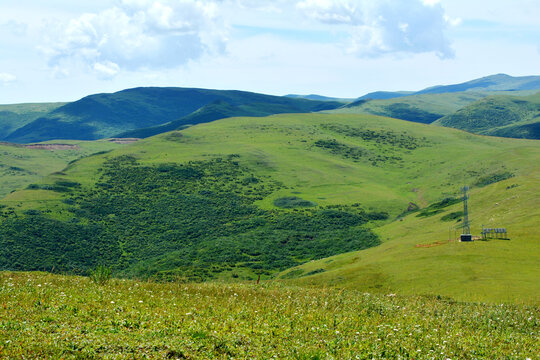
(101, 275)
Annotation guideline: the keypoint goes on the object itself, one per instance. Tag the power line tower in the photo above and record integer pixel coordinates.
(466, 235)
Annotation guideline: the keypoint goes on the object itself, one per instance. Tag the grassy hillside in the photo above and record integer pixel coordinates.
(241, 197)
(418, 108)
(21, 165)
(15, 116)
(508, 116)
(73, 318)
(107, 115)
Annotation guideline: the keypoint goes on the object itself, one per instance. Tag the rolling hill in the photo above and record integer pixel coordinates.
(243, 197)
(507, 116)
(107, 115)
(417, 108)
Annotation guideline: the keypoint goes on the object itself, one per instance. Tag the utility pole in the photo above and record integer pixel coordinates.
(466, 234)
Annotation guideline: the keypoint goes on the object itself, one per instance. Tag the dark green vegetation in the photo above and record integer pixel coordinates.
(291, 202)
(62, 317)
(192, 221)
(507, 116)
(107, 115)
(438, 207)
(16, 116)
(491, 179)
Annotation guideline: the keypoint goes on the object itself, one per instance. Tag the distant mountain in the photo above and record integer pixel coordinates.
(499, 115)
(105, 115)
(383, 95)
(498, 82)
(318, 97)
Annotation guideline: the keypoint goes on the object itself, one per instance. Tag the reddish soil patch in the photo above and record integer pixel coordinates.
(124, 140)
(52, 146)
(436, 243)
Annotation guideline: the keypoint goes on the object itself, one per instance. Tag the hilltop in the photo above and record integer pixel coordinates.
(242, 197)
(107, 115)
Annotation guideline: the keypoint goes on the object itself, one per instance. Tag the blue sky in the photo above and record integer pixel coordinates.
(62, 50)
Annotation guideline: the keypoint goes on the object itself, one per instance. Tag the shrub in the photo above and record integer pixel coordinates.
(101, 275)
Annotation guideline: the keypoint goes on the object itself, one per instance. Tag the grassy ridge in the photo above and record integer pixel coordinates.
(71, 317)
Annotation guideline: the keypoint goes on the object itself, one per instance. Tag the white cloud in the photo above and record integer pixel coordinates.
(136, 34)
(6, 78)
(386, 26)
(106, 70)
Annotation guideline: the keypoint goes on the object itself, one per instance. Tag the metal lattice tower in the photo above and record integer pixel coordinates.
(466, 225)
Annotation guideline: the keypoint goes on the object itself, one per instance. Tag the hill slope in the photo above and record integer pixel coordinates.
(106, 115)
(21, 165)
(417, 108)
(508, 116)
(16, 116)
(247, 196)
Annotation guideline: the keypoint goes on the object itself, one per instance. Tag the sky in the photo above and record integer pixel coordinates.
(62, 50)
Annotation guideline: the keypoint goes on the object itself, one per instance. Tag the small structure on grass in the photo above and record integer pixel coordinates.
(491, 233)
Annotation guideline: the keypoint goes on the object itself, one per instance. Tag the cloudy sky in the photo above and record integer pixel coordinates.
(62, 50)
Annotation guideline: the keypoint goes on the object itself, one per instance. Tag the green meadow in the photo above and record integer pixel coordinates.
(67, 317)
(355, 165)
(21, 165)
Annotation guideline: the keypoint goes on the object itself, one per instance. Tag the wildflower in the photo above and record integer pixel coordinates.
(140, 301)
(112, 302)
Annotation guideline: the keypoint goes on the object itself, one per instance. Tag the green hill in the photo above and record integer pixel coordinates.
(246, 196)
(508, 116)
(107, 115)
(16, 116)
(417, 108)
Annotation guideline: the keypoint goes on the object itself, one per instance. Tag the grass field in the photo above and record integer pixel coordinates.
(384, 165)
(52, 316)
(20, 165)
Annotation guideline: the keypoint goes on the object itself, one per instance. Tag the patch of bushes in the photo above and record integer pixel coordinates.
(192, 220)
(291, 202)
(438, 207)
(494, 178)
(452, 216)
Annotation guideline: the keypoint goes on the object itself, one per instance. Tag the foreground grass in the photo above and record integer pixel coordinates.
(50, 316)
